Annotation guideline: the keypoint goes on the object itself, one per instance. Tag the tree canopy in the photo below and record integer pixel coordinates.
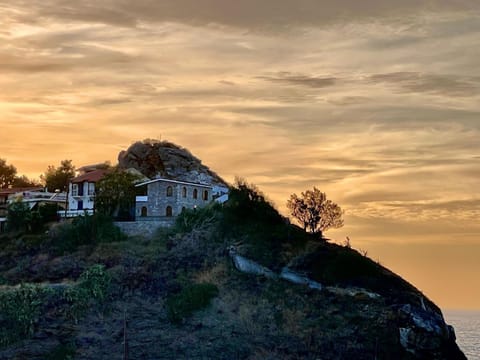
(115, 194)
(9, 178)
(7, 174)
(314, 212)
(56, 178)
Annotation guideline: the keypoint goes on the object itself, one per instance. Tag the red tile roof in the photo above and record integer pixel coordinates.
(92, 176)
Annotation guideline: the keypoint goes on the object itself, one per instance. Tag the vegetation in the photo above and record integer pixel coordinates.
(84, 230)
(314, 212)
(20, 310)
(190, 299)
(92, 287)
(8, 177)
(115, 194)
(57, 178)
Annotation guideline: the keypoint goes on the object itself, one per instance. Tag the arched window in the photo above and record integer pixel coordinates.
(205, 195)
(169, 211)
(184, 192)
(144, 211)
(195, 193)
(169, 191)
(184, 208)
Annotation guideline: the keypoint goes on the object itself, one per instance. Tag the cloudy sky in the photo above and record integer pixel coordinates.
(375, 102)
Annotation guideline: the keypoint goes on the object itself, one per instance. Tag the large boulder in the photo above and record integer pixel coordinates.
(164, 159)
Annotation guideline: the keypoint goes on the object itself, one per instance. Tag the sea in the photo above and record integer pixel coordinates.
(467, 330)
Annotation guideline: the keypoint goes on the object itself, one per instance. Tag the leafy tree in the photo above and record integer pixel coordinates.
(314, 211)
(115, 194)
(58, 177)
(7, 174)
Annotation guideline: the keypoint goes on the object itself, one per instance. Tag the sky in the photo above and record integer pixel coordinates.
(375, 102)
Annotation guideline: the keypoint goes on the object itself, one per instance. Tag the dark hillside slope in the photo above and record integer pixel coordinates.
(180, 296)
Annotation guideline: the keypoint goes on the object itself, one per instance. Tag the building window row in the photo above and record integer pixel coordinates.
(184, 193)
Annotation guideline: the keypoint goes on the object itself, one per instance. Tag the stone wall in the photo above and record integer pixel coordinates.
(144, 228)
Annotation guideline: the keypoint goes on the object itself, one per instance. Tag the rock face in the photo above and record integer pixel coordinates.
(164, 159)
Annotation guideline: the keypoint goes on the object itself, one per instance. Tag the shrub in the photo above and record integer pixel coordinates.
(18, 216)
(93, 287)
(84, 230)
(20, 310)
(190, 299)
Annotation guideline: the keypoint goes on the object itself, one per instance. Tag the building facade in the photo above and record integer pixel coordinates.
(161, 198)
(81, 191)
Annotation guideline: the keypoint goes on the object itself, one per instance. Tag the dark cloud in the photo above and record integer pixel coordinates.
(251, 14)
(447, 85)
(301, 80)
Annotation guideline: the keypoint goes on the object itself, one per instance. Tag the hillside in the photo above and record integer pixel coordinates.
(180, 296)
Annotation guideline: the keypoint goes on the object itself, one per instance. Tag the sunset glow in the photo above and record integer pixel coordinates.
(376, 105)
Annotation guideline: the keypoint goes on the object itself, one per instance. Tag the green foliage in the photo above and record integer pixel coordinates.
(190, 219)
(115, 194)
(92, 288)
(190, 299)
(56, 178)
(18, 216)
(20, 310)
(84, 230)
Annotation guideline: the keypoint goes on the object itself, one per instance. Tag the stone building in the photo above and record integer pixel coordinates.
(164, 198)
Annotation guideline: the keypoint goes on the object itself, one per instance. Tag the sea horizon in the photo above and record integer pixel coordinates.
(467, 330)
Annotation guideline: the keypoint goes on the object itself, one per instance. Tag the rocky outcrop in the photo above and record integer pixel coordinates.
(164, 159)
(424, 334)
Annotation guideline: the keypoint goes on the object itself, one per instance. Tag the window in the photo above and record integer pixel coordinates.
(184, 192)
(75, 189)
(169, 191)
(183, 209)
(144, 211)
(195, 193)
(169, 211)
(205, 195)
(80, 205)
(80, 189)
(91, 189)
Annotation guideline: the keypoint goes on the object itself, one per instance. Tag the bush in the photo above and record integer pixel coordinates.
(18, 216)
(93, 287)
(84, 230)
(20, 311)
(190, 299)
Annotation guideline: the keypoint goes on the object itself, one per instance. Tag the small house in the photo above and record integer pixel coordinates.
(163, 198)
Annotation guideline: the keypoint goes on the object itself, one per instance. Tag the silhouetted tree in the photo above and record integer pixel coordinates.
(314, 212)
(58, 177)
(7, 174)
(23, 181)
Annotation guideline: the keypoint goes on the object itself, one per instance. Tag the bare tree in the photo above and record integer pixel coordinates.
(314, 212)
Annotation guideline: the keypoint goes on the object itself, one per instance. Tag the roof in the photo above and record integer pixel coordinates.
(15, 190)
(92, 176)
(175, 182)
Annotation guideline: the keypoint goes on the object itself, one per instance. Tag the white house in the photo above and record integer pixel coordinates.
(81, 191)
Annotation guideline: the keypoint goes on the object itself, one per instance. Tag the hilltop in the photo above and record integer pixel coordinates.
(213, 286)
(154, 158)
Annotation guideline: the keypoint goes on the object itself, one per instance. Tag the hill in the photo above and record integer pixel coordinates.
(231, 281)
